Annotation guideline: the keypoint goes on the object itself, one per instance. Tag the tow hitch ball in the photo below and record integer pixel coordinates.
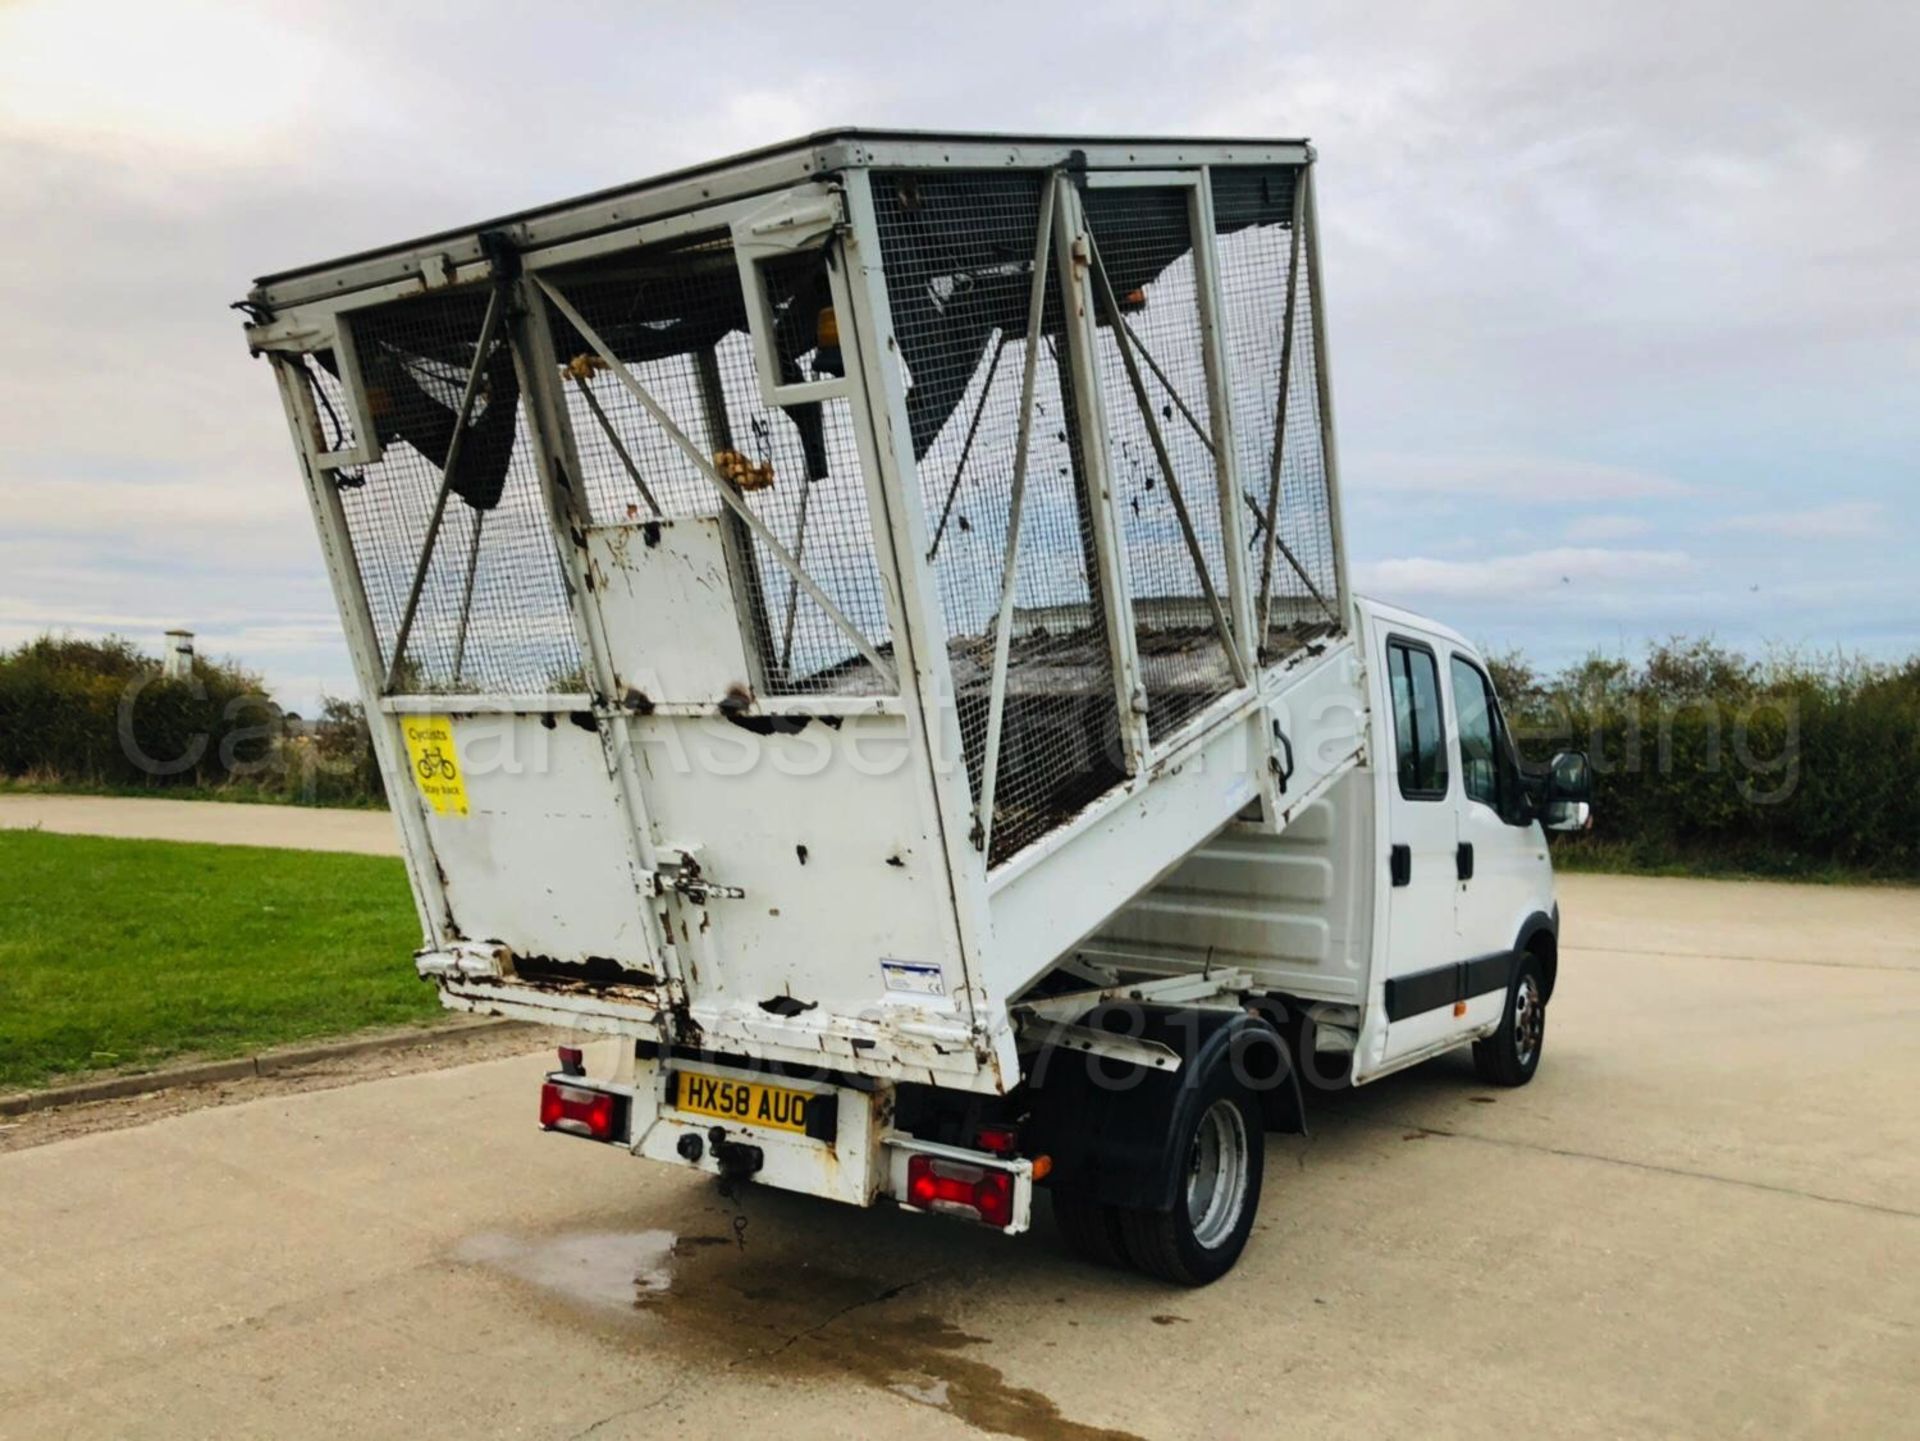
(737, 1160)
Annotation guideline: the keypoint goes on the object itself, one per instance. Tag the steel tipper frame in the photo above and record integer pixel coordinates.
(1012, 920)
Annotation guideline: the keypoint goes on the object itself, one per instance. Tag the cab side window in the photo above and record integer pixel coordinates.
(1474, 708)
(1419, 734)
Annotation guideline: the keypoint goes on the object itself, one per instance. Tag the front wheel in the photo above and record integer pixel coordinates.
(1511, 1055)
(1199, 1239)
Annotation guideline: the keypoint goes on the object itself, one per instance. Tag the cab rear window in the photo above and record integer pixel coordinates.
(1419, 733)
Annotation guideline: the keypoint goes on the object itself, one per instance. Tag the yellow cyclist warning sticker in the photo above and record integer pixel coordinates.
(436, 765)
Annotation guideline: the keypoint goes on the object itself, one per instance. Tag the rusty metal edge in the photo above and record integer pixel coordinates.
(266, 1063)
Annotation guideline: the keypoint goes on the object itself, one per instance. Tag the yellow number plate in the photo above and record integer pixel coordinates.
(746, 1103)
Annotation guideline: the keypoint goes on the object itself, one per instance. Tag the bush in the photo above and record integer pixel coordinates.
(334, 763)
(101, 712)
(100, 715)
(1702, 757)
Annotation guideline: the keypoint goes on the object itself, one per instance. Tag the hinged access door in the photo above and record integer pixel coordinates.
(1162, 389)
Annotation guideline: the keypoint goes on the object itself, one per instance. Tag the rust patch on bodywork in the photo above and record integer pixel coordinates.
(590, 972)
(738, 701)
(786, 1006)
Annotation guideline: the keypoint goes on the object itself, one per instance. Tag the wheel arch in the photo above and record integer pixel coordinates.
(1111, 1129)
(1540, 938)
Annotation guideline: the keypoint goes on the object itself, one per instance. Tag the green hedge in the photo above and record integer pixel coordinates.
(100, 712)
(99, 715)
(1705, 759)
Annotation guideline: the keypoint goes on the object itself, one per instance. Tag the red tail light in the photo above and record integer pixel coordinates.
(961, 1190)
(579, 1112)
(1001, 1140)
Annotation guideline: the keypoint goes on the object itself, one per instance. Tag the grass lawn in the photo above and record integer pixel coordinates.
(117, 953)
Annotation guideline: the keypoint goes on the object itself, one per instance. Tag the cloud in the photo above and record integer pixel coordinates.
(1532, 479)
(1596, 529)
(1581, 571)
(107, 77)
(183, 510)
(1843, 520)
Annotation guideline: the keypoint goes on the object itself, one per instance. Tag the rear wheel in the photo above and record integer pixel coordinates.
(1511, 1055)
(1199, 1239)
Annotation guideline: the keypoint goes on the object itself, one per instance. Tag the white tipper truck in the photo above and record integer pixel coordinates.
(865, 623)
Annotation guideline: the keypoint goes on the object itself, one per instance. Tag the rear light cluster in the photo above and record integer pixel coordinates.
(958, 1189)
(580, 1112)
(1000, 1140)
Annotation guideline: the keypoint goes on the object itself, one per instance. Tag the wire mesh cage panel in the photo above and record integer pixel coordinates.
(958, 250)
(1264, 274)
(675, 318)
(1086, 591)
(491, 612)
(1145, 240)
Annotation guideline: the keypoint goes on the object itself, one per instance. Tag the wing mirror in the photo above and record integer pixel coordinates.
(1569, 793)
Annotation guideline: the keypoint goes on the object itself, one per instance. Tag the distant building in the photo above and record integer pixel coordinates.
(176, 656)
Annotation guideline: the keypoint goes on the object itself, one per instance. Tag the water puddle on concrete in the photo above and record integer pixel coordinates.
(611, 1270)
(811, 1323)
(934, 1393)
(782, 1318)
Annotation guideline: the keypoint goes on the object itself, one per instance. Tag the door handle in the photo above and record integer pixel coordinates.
(1463, 860)
(1280, 773)
(1400, 865)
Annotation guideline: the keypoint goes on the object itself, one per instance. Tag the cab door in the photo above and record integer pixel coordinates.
(1502, 852)
(1421, 973)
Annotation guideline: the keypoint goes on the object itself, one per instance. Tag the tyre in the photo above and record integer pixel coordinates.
(1091, 1229)
(1199, 1239)
(1511, 1055)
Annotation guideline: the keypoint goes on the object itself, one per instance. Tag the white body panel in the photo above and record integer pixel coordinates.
(1450, 921)
(837, 852)
(1294, 910)
(537, 788)
(667, 601)
(1312, 912)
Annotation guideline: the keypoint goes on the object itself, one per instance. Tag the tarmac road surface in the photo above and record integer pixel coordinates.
(1703, 1218)
(307, 828)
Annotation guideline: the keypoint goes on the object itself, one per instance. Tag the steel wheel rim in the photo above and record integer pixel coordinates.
(1217, 1174)
(1529, 1020)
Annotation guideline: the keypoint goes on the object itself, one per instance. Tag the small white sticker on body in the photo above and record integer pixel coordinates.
(913, 978)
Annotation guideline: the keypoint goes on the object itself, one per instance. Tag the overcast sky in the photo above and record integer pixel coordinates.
(1624, 300)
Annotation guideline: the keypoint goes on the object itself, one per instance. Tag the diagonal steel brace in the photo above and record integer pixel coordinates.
(489, 327)
(1010, 565)
(1123, 338)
